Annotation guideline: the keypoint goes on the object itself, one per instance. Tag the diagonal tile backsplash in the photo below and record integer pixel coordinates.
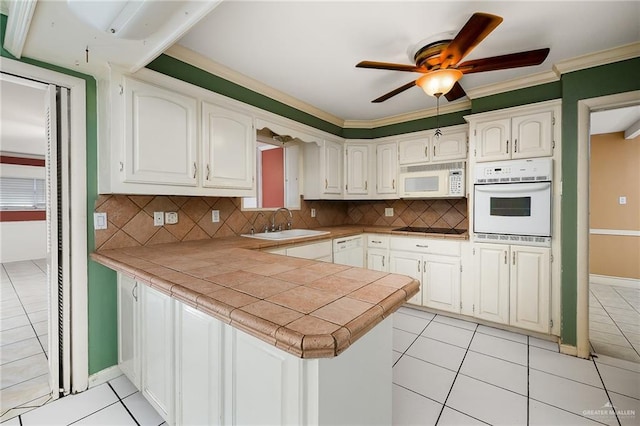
(130, 217)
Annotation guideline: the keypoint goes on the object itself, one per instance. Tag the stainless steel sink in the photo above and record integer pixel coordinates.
(288, 234)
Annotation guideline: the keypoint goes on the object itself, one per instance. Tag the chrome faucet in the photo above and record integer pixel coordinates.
(266, 226)
(273, 219)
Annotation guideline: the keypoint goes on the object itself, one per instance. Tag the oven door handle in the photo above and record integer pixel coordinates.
(513, 187)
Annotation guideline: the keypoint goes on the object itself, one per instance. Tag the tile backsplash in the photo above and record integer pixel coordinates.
(130, 217)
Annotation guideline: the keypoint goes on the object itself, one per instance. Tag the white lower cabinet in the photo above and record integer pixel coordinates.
(224, 376)
(513, 285)
(439, 274)
(377, 252)
(129, 328)
(198, 367)
(157, 384)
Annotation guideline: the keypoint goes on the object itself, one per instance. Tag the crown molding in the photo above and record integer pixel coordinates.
(602, 57)
(410, 116)
(18, 22)
(197, 60)
(514, 84)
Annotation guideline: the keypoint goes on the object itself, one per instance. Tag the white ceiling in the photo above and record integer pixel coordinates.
(614, 120)
(307, 50)
(22, 118)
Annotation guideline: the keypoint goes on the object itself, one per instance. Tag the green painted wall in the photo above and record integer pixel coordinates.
(101, 285)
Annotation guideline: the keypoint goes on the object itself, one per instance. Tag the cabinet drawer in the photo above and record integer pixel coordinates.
(311, 251)
(378, 241)
(426, 245)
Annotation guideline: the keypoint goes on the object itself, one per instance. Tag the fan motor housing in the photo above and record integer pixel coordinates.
(429, 55)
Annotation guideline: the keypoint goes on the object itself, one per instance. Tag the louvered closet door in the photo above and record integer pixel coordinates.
(58, 256)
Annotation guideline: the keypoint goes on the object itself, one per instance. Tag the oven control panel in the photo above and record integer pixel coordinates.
(533, 170)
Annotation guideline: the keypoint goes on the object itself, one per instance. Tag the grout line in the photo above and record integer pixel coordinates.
(615, 411)
(617, 326)
(24, 381)
(464, 414)
(566, 411)
(123, 404)
(456, 376)
(91, 414)
(413, 341)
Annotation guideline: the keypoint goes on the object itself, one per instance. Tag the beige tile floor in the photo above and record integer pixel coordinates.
(24, 371)
(614, 321)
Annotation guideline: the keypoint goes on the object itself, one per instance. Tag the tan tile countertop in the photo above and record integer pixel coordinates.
(310, 309)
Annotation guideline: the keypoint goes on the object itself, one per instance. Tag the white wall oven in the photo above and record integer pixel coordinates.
(512, 201)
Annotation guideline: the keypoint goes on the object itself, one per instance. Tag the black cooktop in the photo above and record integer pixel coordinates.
(432, 230)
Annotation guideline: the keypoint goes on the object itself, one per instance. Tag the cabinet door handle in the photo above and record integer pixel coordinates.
(208, 171)
(418, 266)
(515, 145)
(507, 146)
(513, 258)
(422, 245)
(505, 257)
(434, 151)
(326, 184)
(121, 166)
(195, 169)
(134, 292)
(426, 152)
(376, 242)
(393, 184)
(365, 185)
(383, 261)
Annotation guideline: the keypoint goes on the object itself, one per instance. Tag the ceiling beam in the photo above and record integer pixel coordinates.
(18, 23)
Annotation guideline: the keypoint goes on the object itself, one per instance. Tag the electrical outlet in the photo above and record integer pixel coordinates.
(158, 218)
(99, 221)
(313, 212)
(171, 218)
(622, 200)
(388, 212)
(215, 216)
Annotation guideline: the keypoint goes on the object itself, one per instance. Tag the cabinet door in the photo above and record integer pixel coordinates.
(357, 170)
(532, 135)
(378, 260)
(332, 167)
(129, 328)
(450, 146)
(492, 282)
(441, 283)
(316, 251)
(413, 150)
(492, 140)
(160, 141)
(386, 168)
(228, 148)
(410, 264)
(199, 365)
(529, 288)
(157, 351)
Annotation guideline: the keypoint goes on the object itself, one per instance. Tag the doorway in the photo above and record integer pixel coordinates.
(614, 233)
(66, 239)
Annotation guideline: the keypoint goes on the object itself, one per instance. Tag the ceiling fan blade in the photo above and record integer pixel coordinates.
(503, 62)
(394, 92)
(389, 66)
(474, 31)
(456, 92)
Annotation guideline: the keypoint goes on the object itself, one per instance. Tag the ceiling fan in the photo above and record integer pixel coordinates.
(439, 61)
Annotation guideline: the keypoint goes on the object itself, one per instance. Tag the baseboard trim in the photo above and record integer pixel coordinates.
(616, 281)
(104, 376)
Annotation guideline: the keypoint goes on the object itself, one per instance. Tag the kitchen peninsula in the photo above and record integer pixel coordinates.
(255, 338)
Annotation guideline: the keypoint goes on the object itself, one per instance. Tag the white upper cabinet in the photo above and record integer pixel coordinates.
(451, 145)
(323, 170)
(423, 147)
(520, 132)
(228, 148)
(160, 139)
(414, 150)
(532, 135)
(356, 170)
(386, 170)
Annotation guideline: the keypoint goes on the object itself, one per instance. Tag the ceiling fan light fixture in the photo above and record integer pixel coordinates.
(439, 82)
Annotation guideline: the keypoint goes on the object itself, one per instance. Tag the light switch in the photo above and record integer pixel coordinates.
(158, 218)
(388, 212)
(313, 212)
(215, 216)
(99, 221)
(622, 200)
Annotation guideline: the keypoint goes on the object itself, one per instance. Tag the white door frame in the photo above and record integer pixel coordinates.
(79, 343)
(585, 107)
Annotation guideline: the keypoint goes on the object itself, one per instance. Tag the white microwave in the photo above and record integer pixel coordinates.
(446, 180)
